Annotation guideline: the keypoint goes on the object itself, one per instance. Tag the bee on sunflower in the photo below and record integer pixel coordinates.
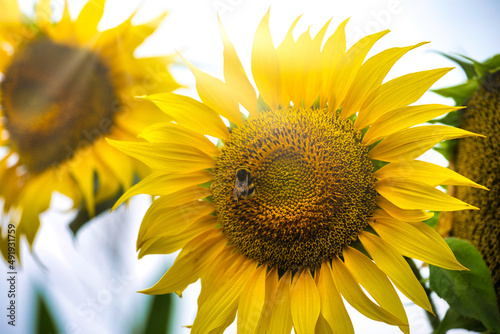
(328, 152)
(481, 95)
(64, 86)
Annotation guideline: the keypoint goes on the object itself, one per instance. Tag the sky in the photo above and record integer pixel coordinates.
(91, 281)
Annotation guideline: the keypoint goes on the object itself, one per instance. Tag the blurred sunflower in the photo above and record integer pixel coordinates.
(270, 217)
(481, 95)
(63, 87)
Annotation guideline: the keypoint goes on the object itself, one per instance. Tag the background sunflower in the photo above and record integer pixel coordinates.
(76, 299)
(66, 85)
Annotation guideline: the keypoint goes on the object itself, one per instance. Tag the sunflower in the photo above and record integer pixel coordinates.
(481, 94)
(282, 218)
(64, 86)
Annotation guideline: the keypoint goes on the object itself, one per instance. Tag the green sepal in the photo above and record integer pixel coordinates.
(480, 68)
(460, 93)
(453, 320)
(469, 293)
(432, 222)
(468, 68)
(452, 118)
(493, 62)
(261, 105)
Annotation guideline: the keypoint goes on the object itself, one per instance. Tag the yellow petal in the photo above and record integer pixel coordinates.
(216, 95)
(376, 284)
(280, 321)
(162, 219)
(265, 66)
(331, 54)
(236, 78)
(425, 172)
(322, 326)
(83, 174)
(348, 67)
(166, 157)
(305, 303)
(170, 243)
(251, 303)
(43, 13)
(135, 35)
(288, 66)
(370, 77)
(171, 133)
(410, 241)
(391, 210)
(192, 261)
(223, 303)
(402, 118)
(397, 93)
(332, 305)
(412, 195)
(191, 114)
(87, 21)
(161, 183)
(350, 290)
(10, 13)
(390, 261)
(413, 142)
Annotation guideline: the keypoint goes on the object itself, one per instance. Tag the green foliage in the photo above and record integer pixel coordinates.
(452, 118)
(460, 93)
(466, 66)
(45, 323)
(432, 222)
(469, 293)
(160, 315)
(454, 320)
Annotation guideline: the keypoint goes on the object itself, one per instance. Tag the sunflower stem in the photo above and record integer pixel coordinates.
(433, 319)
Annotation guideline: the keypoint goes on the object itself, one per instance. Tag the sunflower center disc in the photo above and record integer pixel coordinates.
(313, 181)
(56, 100)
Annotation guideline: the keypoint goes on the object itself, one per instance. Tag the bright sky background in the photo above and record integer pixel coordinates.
(91, 281)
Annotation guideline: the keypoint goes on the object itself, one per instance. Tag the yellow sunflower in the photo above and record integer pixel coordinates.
(269, 219)
(64, 86)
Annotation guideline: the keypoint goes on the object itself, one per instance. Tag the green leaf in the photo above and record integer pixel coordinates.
(469, 293)
(481, 69)
(468, 68)
(460, 93)
(453, 320)
(493, 62)
(160, 314)
(44, 321)
(432, 222)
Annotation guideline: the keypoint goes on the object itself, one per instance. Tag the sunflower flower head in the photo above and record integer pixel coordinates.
(481, 95)
(278, 218)
(64, 86)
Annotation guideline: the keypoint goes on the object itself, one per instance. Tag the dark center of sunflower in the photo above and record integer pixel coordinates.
(312, 182)
(56, 100)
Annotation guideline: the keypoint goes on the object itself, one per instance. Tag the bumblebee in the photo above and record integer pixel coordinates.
(244, 187)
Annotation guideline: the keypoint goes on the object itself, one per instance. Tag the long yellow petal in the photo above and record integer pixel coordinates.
(410, 241)
(390, 261)
(331, 54)
(281, 321)
(124, 171)
(391, 210)
(370, 77)
(166, 157)
(425, 172)
(397, 93)
(265, 65)
(170, 243)
(83, 174)
(402, 118)
(223, 303)
(88, 19)
(43, 13)
(348, 67)
(305, 303)
(135, 35)
(332, 305)
(192, 261)
(170, 133)
(10, 13)
(288, 66)
(412, 195)
(413, 142)
(251, 303)
(191, 114)
(216, 95)
(350, 290)
(161, 183)
(235, 76)
(162, 219)
(376, 283)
